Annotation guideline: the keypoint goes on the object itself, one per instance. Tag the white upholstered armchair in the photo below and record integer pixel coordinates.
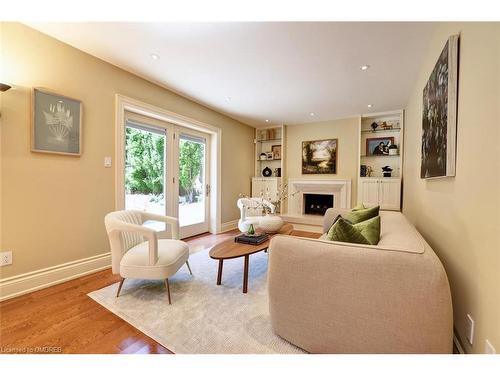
(251, 211)
(136, 251)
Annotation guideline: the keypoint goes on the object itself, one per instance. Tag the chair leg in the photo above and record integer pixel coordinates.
(168, 291)
(189, 268)
(120, 287)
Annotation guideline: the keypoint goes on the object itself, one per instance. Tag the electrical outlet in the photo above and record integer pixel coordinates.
(5, 258)
(469, 329)
(488, 348)
(107, 161)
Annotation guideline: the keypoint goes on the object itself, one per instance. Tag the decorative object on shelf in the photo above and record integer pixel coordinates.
(319, 157)
(57, 123)
(270, 223)
(387, 171)
(267, 172)
(378, 146)
(4, 87)
(439, 121)
(362, 171)
(393, 149)
(276, 150)
(277, 172)
(263, 156)
(369, 171)
(374, 125)
(386, 126)
(269, 156)
(263, 135)
(251, 230)
(271, 133)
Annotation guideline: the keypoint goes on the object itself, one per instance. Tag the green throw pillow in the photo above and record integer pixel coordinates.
(342, 231)
(361, 215)
(360, 206)
(370, 229)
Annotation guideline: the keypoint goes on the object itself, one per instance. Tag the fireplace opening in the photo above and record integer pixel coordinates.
(317, 204)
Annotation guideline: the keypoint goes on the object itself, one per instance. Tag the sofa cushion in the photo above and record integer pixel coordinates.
(342, 231)
(370, 229)
(361, 215)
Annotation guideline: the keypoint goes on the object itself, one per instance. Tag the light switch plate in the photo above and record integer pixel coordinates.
(5, 258)
(107, 161)
(469, 329)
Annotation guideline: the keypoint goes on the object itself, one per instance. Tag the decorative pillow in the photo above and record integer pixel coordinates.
(342, 231)
(361, 215)
(360, 206)
(337, 219)
(370, 229)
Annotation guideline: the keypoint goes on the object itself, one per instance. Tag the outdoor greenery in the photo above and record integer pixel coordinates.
(144, 161)
(190, 165)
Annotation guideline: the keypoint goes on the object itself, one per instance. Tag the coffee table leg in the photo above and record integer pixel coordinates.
(245, 275)
(219, 273)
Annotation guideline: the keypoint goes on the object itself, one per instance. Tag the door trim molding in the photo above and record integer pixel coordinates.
(124, 103)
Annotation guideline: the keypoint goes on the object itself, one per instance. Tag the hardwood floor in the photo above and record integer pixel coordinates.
(62, 319)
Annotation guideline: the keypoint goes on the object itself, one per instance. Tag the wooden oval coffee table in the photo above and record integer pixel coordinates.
(229, 249)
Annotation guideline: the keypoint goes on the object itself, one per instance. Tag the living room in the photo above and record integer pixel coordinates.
(249, 187)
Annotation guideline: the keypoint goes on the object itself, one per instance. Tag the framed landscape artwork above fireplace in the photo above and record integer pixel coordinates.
(319, 157)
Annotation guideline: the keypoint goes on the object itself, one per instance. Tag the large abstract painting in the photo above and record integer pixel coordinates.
(57, 122)
(319, 157)
(439, 117)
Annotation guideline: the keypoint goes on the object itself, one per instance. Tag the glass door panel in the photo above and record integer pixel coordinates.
(145, 188)
(193, 200)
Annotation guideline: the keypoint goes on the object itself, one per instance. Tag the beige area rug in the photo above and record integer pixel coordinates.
(203, 317)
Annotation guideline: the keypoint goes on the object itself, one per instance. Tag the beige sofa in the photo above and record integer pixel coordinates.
(334, 297)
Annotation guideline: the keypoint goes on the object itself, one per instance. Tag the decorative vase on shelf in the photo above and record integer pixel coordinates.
(270, 223)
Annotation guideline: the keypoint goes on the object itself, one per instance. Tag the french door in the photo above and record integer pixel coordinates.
(166, 172)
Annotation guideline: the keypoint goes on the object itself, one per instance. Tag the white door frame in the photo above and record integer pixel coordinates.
(124, 103)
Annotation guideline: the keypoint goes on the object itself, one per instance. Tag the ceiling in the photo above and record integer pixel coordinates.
(279, 71)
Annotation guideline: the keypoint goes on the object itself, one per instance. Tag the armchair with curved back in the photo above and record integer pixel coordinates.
(137, 252)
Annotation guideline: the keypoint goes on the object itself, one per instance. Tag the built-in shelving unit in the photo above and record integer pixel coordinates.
(266, 141)
(379, 131)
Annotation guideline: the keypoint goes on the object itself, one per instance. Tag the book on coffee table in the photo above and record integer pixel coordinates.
(251, 240)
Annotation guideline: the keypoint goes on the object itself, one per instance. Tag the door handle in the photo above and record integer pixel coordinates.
(207, 190)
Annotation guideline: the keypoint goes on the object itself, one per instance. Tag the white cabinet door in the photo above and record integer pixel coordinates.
(369, 189)
(265, 187)
(390, 194)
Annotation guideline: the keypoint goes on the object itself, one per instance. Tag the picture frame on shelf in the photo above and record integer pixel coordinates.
(378, 146)
(56, 125)
(276, 150)
(269, 156)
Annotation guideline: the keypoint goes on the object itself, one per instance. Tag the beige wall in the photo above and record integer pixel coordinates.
(53, 206)
(459, 216)
(345, 130)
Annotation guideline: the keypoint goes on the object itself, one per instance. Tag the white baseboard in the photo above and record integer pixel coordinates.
(29, 282)
(227, 226)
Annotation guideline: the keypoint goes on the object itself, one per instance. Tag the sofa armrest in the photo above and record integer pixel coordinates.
(330, 215)
(329, 297)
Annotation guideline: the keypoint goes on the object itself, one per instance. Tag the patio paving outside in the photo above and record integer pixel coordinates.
(189, 213)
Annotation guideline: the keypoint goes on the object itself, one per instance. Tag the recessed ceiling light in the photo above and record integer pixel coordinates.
(369, 105)
(311, 114)
(364, 67)
(267, 120)
(154, 56)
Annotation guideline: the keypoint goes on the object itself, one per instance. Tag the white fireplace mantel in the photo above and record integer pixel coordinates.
(340, 189)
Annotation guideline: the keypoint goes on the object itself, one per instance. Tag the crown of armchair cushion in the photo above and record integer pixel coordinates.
(172, 254)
